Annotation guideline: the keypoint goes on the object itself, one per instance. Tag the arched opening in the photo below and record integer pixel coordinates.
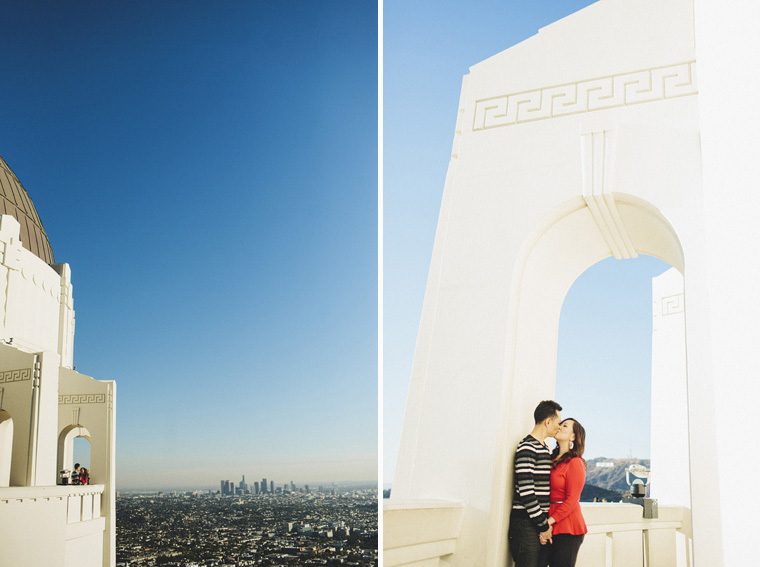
(6, 447)
(82, 450)
(569, 241)
(74, 446)
(621, 371)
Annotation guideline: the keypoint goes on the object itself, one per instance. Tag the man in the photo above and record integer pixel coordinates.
(75, 474)
(529, 519)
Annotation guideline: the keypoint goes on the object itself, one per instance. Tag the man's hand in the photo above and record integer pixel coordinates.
(545, 537)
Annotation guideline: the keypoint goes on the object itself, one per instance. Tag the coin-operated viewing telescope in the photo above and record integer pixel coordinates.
(639, 488)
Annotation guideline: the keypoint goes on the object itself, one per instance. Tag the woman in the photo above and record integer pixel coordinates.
(567, 479)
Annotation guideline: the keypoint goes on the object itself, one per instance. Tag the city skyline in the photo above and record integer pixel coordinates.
(209, 172)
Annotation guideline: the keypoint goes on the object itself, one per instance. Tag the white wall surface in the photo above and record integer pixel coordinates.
(727, 47)
(565, 152)
(669, 480)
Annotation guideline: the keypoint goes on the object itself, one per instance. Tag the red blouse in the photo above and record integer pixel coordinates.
(567, 482)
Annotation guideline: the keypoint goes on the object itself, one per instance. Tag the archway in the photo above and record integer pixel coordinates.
(82, 451)
(6, 447)
(569, 241)
(624, 375)
(66, 446)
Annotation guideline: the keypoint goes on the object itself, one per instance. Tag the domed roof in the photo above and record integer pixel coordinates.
(15, 201)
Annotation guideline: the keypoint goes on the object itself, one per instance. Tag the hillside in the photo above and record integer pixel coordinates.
(609, 478)
(603, 482)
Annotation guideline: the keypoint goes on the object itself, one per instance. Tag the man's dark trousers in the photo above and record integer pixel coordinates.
(524, 545)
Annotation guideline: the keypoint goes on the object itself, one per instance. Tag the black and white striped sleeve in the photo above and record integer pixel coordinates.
(532, 483)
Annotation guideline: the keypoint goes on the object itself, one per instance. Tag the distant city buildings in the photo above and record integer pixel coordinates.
(228, 488)
(193, 529)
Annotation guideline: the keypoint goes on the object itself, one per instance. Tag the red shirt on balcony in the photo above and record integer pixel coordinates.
(567, 482)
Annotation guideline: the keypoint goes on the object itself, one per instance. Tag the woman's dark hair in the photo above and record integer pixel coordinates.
(579, 444)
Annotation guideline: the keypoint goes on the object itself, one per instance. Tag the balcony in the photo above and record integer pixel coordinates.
(69, 516)
(421, 533)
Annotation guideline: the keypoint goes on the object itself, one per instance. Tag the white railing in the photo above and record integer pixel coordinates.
(83, 503)
(67, 518)
(619, 536)
(71, 503)
(421, 533)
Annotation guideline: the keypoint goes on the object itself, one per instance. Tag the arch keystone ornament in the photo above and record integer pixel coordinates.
(569, 152)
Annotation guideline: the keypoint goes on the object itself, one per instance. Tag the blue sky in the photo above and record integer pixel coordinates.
(209, 171)
(428, 47)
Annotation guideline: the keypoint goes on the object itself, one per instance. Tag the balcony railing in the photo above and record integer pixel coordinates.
(74, 503)
(618, 535)
(420, 531)
(69, 517)
(84, 503)
(423, 532)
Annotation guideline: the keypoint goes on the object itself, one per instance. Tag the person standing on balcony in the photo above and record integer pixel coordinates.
(529, 520)
(568, 477)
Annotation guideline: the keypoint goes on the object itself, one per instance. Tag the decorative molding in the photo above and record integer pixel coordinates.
(672, 304)
(47, 282)
(597, 172)
(648, 85)
(82, 399)
(15, 375)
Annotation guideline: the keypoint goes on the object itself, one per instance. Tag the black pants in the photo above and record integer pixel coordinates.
(564, 550)
(526, 549)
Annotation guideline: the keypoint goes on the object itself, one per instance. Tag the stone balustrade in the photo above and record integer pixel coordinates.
(421, 533)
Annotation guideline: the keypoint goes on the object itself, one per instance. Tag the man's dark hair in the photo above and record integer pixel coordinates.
(546, 409)
(76, 465)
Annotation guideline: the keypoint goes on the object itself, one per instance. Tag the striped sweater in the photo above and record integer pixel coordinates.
(533, 468)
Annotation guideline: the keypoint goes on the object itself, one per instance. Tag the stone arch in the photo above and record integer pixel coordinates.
(66, 445)
(6, 447)
(564, 245)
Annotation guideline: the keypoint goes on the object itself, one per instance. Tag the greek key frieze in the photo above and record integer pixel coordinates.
(672, 304)
(82, 399)
(15, 375)
(649, 85)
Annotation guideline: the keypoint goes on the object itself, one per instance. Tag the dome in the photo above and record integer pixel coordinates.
(15, 201)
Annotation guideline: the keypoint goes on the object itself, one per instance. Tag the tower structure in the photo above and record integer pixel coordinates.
(45, 404)
(626, 128)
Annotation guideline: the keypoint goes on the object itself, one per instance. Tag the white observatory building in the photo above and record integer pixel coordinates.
(629, 127)
(45, 404)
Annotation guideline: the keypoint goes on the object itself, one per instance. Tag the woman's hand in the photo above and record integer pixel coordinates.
(545, 537)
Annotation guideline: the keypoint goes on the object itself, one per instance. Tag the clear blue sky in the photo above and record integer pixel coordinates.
(209, 171)
(428, 47)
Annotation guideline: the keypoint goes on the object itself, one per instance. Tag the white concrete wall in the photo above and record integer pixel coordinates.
(53, 526)
(44, 396)
(29, 294)
(727, 46)
(66, 316)
(17, 370)
(32, 531)
(36, 302)
(669, 480)
(46, 423)
(565, 152)
(89, 403)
